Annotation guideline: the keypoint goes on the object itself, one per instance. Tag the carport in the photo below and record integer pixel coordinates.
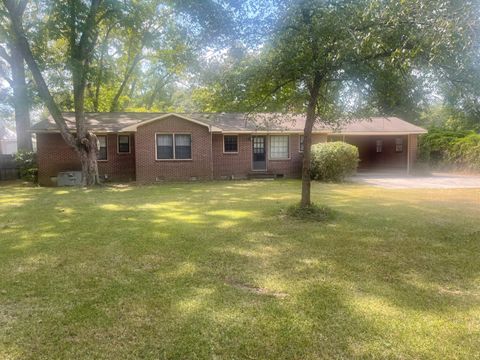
(379, 152)
(383, 143)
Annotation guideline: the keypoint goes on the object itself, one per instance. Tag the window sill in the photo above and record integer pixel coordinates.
(284, 159)
(230, 153)
(170, 160)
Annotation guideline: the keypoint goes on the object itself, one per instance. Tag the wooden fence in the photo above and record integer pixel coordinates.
(8, 168)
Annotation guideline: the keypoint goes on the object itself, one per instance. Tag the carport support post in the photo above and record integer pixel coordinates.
(408, 154)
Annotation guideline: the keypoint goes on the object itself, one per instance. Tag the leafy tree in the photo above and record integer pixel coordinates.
(339, 58)
(72, 29)
(78, 23)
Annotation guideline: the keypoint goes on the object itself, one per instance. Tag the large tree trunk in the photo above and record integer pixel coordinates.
(86, 146)
(20, 99)
(307, 141)
(88, 158)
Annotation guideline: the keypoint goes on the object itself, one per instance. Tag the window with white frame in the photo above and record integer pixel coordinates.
(279, 147)
(102, 147)
(399, 145)
(302, 146)
(174, 146)
(123, 144)
(183, 146)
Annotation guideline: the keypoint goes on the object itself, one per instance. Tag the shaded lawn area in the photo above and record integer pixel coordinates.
(215, 270)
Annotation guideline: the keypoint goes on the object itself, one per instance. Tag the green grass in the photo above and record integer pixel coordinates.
(217, 270)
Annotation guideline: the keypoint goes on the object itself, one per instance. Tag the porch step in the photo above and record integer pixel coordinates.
(264, 175)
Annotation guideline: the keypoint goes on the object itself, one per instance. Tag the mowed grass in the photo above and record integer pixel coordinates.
(216, 270)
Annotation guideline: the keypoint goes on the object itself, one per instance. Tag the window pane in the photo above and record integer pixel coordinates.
(183, 147)
(379, 146)
(230, 143)
(124, 143)
(279, 147)
(102, 147)
(165, 146)
(301, 142)
(399, 145)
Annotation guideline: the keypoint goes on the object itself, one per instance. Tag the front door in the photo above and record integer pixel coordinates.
(259, 151)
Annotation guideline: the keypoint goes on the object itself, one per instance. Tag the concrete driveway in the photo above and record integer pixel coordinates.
(403, 181)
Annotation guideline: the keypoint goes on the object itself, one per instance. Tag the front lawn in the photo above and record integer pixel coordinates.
(216, 270)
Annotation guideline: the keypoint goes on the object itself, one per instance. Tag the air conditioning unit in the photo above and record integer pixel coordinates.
(69, 178)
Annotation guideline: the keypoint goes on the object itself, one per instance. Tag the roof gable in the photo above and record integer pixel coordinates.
(133, 128)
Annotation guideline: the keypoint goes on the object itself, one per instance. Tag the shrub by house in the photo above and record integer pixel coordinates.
(333, 161)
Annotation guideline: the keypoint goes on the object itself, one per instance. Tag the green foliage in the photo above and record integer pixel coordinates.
(435, 146)
(451, 149)
(450, 117)
(465, 152)
(27, 164)
(333, 161)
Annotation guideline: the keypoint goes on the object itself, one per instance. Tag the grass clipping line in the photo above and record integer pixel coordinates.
(310, 213)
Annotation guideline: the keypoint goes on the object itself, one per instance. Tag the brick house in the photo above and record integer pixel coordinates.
(150, 147)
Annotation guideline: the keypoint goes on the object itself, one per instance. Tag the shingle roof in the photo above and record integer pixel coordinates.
(233, 122)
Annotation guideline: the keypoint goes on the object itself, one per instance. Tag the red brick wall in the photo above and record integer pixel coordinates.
(148, 169)
(240, 165)
(54, 155)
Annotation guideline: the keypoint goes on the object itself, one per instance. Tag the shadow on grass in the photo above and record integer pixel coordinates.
(111, 271)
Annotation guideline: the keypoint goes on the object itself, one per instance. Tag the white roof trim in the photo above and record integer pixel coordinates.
(135, 126)
(378, 132)
(270, 132)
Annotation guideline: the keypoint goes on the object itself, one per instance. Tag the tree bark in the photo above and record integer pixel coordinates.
(20, 100)
(307, 140)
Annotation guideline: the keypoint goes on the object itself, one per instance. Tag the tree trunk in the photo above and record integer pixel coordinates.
(158, 85)
(114, 105)
(104, 48)
(307, 141)
(86, 145)
(20, 100)
(88, 152)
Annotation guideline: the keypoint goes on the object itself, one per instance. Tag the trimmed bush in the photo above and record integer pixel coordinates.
(27, 165)
(333, 161)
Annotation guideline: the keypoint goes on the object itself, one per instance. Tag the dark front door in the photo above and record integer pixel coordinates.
(259, 153)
